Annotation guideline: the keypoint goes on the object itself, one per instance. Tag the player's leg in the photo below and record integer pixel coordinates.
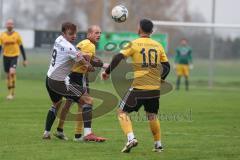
(59, 133)
(178, 82)
(151, 107)
(87, 119)
(12, 82)
(87, 113)
(125, 121)
(179, 75)
(79, 125)
(51, 115)
(77, 80)
(7, 65)
(126, 125)
(186, 83)
(12, 74)
(154, 124)
(186, 75)
(79, 84)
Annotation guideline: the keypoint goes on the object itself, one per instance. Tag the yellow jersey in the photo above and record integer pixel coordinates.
(10, 44)
(147, 55)
(88, 48)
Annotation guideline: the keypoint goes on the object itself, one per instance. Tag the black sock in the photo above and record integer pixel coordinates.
(51, 116)
(178, 82)
(59, 129)
(186, 83)
(87, 115)
(78, 135)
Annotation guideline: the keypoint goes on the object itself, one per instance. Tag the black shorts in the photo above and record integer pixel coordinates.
(9, 62)
(59, 89)
(80, 79)
(135, 98)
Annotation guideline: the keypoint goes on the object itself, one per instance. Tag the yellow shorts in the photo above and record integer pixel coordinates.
(182, 70)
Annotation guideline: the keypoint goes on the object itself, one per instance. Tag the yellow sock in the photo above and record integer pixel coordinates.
(9, 84)
(63, 114)
(79, 122)
(13, 83)
(125, 123)
(60, 124)
(155, 128)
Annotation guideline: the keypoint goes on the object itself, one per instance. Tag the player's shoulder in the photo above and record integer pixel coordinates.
(16, 33)
(3, 34)
(147, 40)
(85, 42)
(63, 43)
(156, 44)
(86, 45)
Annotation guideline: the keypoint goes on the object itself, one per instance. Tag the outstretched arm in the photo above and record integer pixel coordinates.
(114, 63)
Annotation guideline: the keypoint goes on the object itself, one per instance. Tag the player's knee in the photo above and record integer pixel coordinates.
(67, 105)
(151, 116)
(89, 100)
(120, 111)
(86, 100)
(57, 104)
(12, 71)
(81, 102)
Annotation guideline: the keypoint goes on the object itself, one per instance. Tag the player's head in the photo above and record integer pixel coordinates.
(69, 31)
(10, 25)
(145, 27)
(183, 41)
(94, 33)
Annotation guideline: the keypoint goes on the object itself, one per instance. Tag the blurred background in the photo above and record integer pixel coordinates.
(216, 52)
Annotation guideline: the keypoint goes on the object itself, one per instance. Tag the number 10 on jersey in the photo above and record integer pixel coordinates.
(152, 58)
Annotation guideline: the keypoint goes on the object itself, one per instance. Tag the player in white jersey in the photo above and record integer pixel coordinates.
(58, 85)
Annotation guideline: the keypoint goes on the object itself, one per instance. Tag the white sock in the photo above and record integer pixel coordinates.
(158, 143)
(130, 136)
(87, 131)
(46, 132)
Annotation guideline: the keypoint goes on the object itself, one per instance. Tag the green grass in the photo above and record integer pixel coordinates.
(212, 132)
(200, 124)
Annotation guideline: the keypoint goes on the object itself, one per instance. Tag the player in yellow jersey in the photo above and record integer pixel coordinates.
(11, 44)
(80, 77)
(148, 59)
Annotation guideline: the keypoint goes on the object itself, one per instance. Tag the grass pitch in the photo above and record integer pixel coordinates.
(199, 124)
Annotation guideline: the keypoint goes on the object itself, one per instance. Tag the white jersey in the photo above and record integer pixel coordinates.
(63, 58)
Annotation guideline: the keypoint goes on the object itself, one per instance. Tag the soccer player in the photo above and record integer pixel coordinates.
(58, 84)
(11, 44)
(80, 76)
(183, 62)
(148, 59)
